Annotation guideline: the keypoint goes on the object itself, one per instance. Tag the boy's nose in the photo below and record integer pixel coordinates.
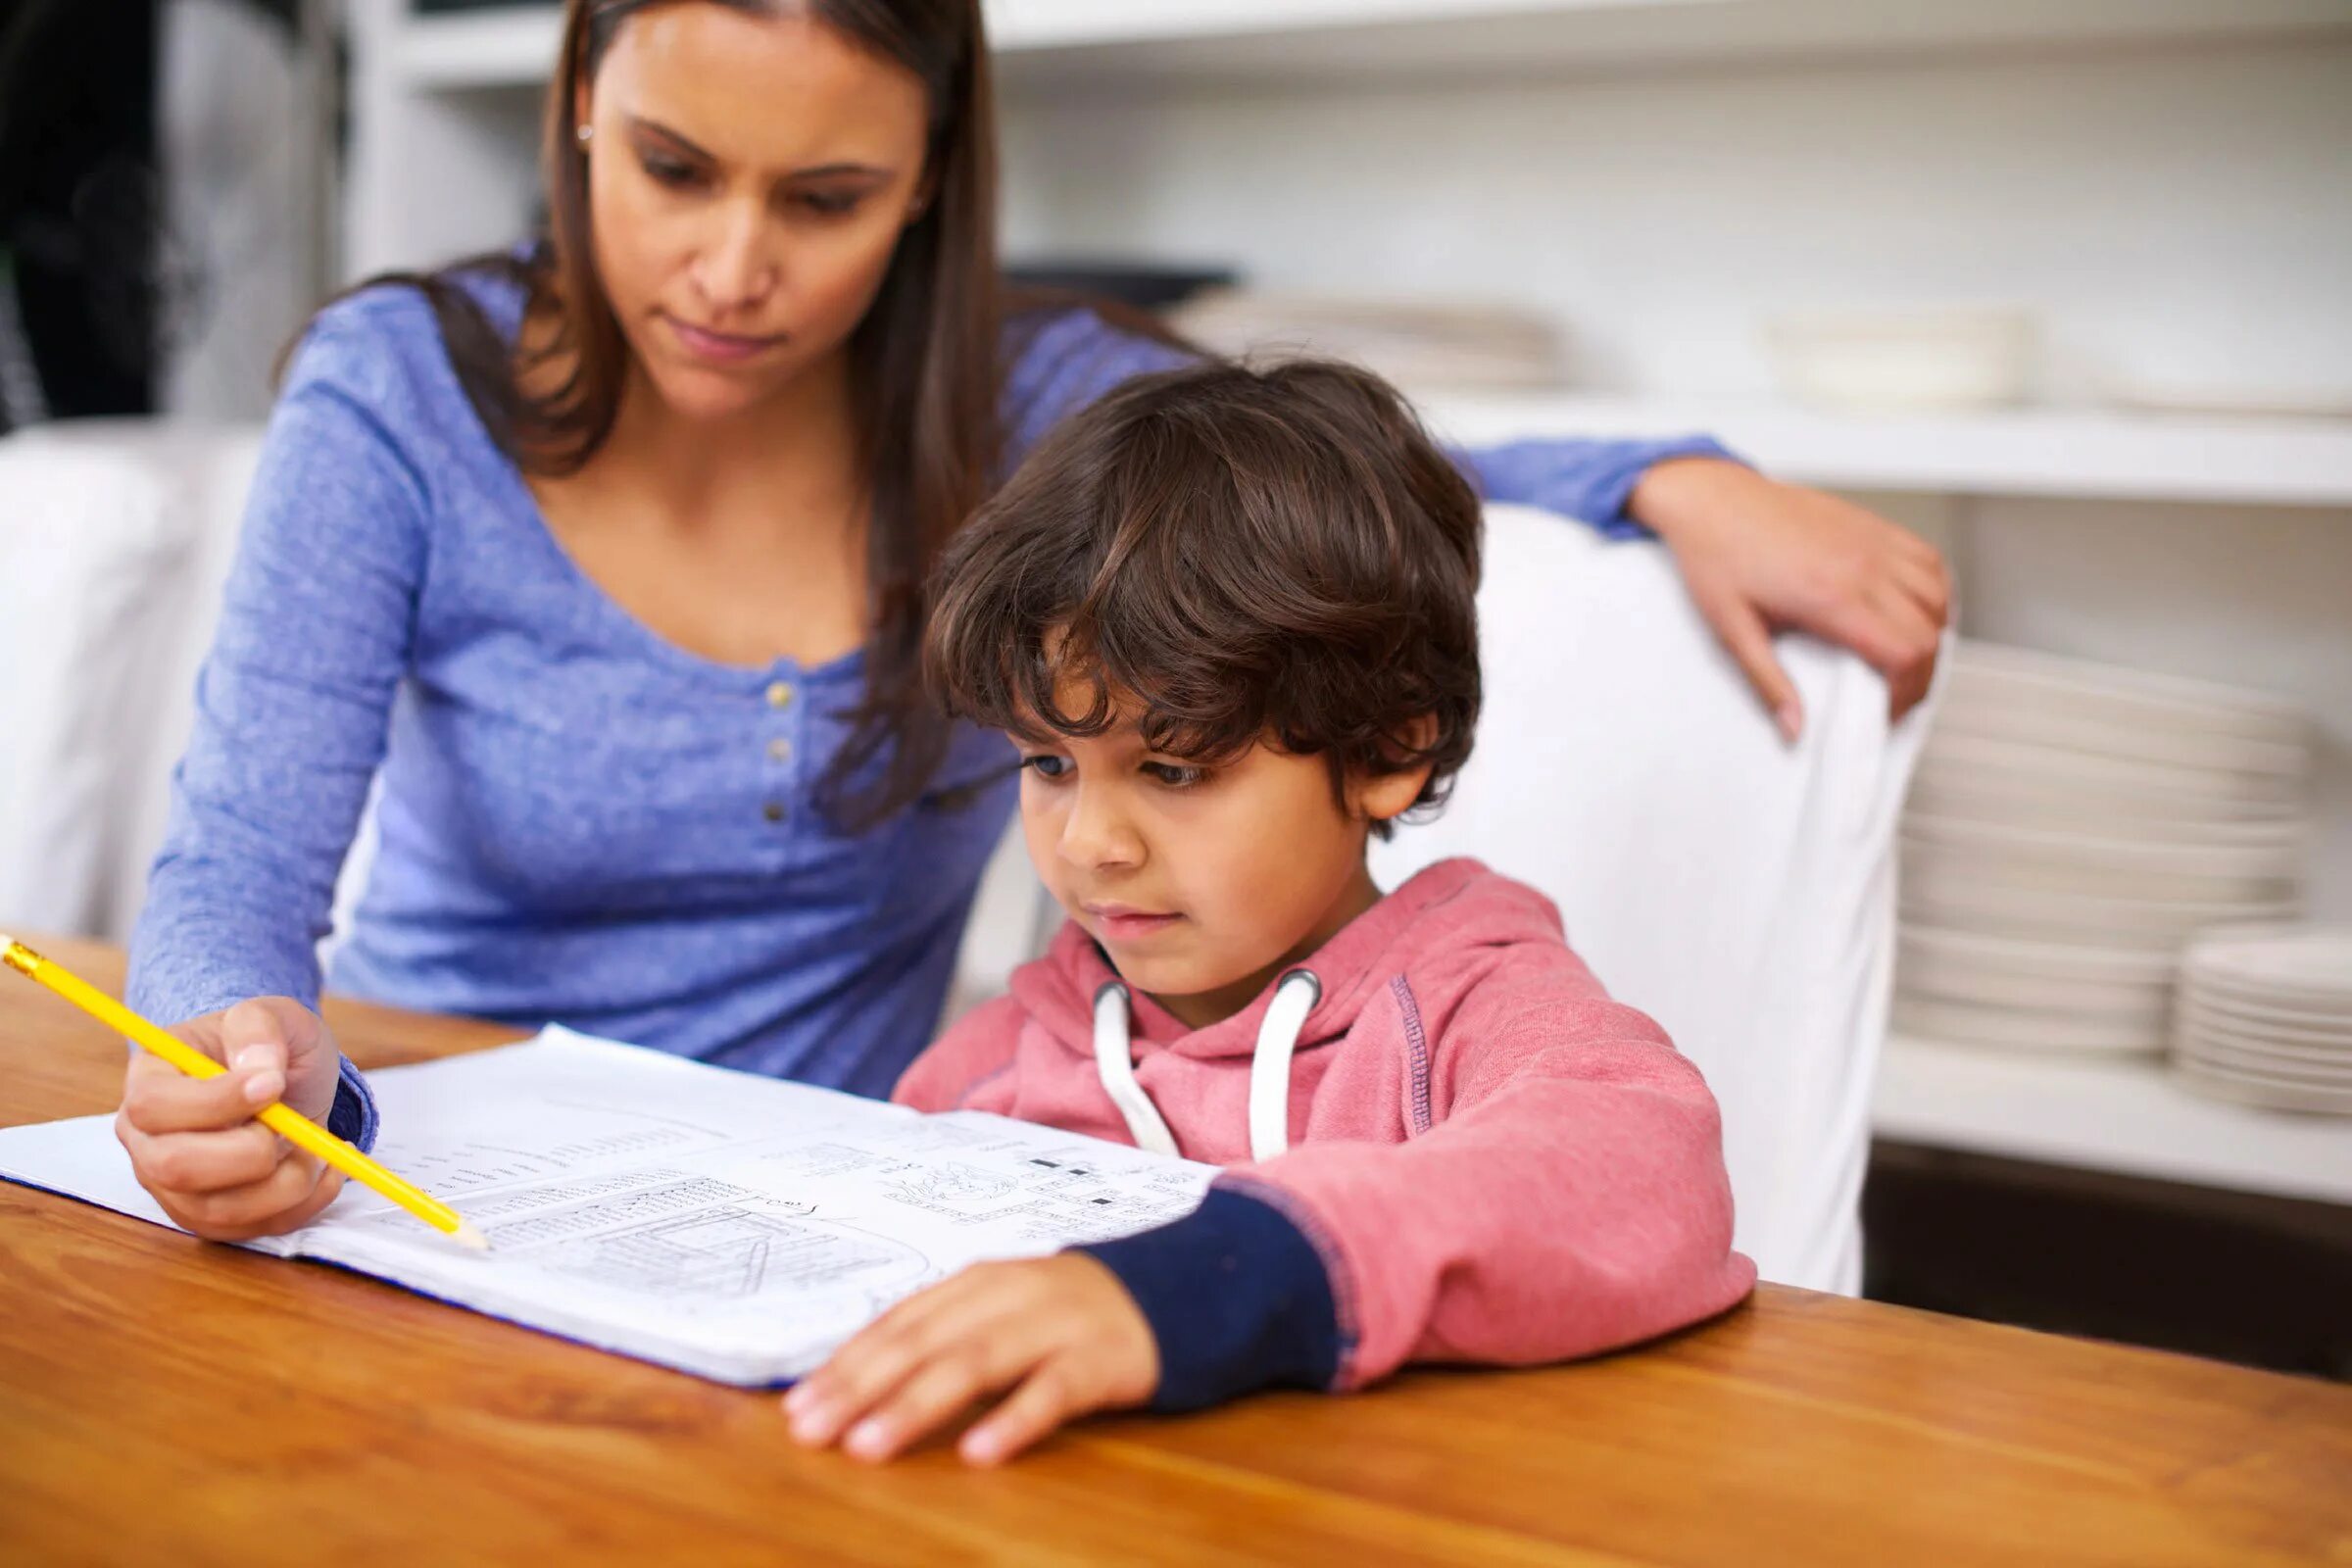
(1096, 834)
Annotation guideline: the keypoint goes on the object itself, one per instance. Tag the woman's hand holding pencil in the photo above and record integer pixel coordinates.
(194, 1144)
(221, 1158)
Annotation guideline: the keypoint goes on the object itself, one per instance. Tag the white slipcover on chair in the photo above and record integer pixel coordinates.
(1740, 891)
(93, 550)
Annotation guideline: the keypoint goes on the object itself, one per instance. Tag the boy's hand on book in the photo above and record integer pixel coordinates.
(193, 1142)
(1061, 1334)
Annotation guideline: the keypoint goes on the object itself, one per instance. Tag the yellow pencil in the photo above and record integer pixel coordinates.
(281, 1118)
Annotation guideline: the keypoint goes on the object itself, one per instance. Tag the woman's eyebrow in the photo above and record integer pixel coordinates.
(688, 146)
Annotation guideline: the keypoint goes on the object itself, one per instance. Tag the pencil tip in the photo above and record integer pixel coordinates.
(467, 1236)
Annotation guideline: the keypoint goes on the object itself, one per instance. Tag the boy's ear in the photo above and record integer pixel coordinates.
(1385, 797)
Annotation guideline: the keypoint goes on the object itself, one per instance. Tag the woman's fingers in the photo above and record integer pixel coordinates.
(1910, 642)
(158, 1098)
(1927, 582)
(204, 1162)
(1742, 629)
(269, 1204)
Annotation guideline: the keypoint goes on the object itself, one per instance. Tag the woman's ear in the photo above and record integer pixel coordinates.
(1385, 797)
(926, 191)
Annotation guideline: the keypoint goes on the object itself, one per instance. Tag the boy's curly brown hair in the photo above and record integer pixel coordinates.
(1248, 555)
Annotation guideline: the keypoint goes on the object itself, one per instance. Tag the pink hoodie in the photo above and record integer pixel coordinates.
(1487, 1158)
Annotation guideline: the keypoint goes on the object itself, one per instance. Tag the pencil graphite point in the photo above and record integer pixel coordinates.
(468, 1237)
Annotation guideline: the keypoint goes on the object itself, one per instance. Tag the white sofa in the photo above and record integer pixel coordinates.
(1739, 890)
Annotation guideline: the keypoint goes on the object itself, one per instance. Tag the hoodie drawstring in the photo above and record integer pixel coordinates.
(1269, 1068)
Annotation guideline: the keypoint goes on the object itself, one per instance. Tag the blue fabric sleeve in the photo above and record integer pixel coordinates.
(293, 701)
(1590, 480)
(1237, 1297)
(352, 1118)
(1063, 361)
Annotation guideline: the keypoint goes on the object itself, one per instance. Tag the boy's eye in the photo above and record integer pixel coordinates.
(1046, 765)
(1176, 775)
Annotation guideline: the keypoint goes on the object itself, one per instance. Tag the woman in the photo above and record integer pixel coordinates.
(611, 556)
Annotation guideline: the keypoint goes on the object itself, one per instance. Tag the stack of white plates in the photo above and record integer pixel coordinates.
(2072, 826)
(2265, 1017)
(1416, 345)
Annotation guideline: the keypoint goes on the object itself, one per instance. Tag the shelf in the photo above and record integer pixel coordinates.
(2057, 452)
(2123, 1116)
(1111, 43)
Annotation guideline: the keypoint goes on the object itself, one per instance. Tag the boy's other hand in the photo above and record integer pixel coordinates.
(1061, 1333)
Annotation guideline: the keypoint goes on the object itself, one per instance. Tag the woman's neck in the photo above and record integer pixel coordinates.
(799, 445)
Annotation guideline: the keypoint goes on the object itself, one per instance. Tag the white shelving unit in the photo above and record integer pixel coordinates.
(1105, 42)
(2028, 451)
(2125, 1116)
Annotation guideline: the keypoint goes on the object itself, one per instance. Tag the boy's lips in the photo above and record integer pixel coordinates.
(1124, 922)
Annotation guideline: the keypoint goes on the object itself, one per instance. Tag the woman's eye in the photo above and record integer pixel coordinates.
(668, 171)
(1176, 775)
(1046, 765)
(828, 203)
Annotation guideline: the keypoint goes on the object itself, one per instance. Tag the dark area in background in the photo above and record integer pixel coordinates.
(79, 197)
(92, 284)
(2239, 1276)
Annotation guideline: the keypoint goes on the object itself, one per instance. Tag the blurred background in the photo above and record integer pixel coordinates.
(2063, 284)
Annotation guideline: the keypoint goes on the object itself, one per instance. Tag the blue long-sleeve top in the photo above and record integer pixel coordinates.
(580, 821)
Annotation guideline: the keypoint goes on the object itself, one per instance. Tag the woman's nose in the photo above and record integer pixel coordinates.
(738, 269)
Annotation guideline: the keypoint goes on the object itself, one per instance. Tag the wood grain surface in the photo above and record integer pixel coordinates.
(296, 1413)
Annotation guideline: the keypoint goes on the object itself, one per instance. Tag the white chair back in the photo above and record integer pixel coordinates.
(1740, 891)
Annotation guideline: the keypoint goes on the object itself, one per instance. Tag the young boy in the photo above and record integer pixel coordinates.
(1228, 617)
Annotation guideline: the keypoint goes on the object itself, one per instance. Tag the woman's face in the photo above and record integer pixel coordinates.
(747, 180)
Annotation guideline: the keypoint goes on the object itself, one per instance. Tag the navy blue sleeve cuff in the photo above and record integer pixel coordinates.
(1236, 1296)
(352, 1118)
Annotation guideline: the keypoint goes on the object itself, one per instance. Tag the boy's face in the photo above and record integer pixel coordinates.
(1200, 882)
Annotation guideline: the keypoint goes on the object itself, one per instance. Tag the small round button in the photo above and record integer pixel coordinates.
(773, 810)
(780, 751)
(779, 694)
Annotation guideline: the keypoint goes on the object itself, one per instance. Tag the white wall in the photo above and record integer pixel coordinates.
(2169, 208)
(2172, 211)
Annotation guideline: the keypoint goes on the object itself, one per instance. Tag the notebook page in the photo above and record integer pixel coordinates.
(730, 1225)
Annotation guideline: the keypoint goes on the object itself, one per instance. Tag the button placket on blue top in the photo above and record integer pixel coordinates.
(780, 702)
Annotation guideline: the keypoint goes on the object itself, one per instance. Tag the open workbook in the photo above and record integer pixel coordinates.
(727, 1225)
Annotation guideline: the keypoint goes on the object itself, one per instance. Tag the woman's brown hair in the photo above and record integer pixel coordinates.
(925, 365)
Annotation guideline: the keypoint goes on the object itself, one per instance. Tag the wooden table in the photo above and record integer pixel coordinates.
(326, 1419)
